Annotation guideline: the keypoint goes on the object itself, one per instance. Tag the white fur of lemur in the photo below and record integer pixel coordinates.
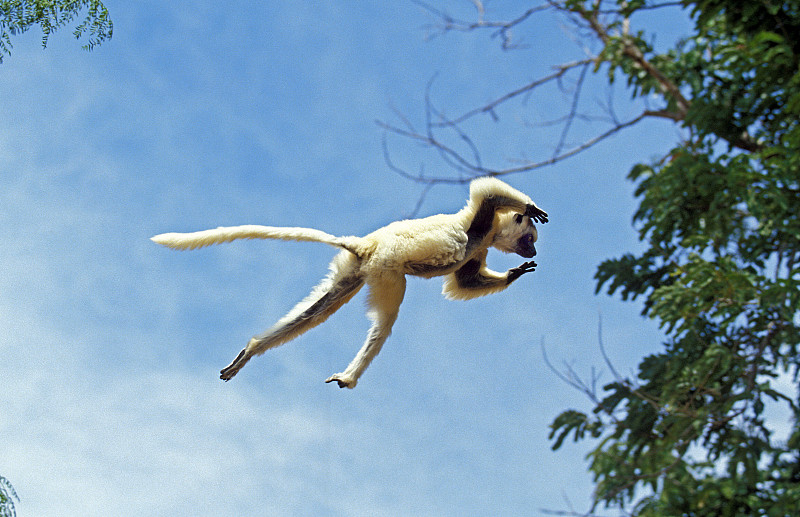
(449, 245)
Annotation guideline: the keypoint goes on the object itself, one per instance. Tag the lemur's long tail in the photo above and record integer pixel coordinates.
(190, 241)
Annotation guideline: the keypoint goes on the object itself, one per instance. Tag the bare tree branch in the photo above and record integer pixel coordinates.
(571, 377)
(660, 5)
(489, 108)
(446, 23)
(568, 513)
(471, 165)
(459, 151)
(573, 110)
(474, 170)
(631, 50)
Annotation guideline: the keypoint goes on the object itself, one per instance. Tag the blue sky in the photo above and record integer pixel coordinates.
(195, 116)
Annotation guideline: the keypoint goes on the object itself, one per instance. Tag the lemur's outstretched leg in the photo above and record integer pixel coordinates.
(341, 284)
(386, 295)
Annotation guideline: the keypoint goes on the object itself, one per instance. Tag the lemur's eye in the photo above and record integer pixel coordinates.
(518, 218)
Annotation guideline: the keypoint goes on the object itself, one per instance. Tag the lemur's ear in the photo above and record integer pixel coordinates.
(518, 218)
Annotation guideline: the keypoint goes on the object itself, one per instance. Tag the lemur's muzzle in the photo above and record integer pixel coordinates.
(525, 247)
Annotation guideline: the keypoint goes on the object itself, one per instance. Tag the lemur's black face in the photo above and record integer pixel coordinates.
(525, 247)
(525, 244)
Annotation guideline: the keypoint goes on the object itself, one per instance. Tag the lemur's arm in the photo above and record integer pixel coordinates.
(475, 279)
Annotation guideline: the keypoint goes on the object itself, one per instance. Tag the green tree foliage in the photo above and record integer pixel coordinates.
(7, 496)
(720, 217)
(17, 16)
(719, 214)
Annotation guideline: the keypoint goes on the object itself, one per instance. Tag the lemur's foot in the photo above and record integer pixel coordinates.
(232, 369)
(342, 381)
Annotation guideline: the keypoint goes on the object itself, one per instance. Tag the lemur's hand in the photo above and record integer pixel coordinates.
(536, 213)
(517, 272)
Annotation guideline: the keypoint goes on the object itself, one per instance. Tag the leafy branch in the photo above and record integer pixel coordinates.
(7, 497)
(18, 16)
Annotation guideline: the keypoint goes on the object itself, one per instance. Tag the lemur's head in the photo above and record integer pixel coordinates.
(516, 234)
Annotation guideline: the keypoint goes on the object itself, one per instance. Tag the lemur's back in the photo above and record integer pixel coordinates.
(417, 246)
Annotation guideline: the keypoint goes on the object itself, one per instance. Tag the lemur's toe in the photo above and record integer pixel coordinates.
(343, 383)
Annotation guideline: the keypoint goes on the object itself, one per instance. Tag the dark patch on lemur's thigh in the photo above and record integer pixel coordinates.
(469, 277)
(340, 289)
(417, 269)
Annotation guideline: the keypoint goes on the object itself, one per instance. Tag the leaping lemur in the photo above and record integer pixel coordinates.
(449, 245)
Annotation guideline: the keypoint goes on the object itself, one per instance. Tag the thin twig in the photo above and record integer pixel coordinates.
(573, 110)
(489, 108)
(474, 170)
(447, 23)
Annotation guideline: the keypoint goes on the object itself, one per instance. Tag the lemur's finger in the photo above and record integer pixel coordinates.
(536, 213)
